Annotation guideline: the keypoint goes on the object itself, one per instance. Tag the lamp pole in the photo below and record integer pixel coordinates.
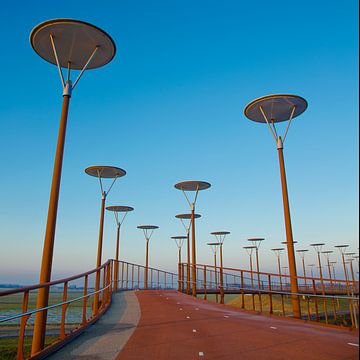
(52, 40)
(272, 109)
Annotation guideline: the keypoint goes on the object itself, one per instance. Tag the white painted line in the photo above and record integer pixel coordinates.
(196, 308)
(225, 316)
(352, 344)
(188, 317)
(201, 353)
(273, 327)
(178, 303)
(167, 298)
(180, 309)
(194, 330)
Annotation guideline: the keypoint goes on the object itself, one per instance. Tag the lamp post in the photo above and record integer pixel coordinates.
(272, 109)
(148, 231)
(73, 45)
(187, 228)
(249, 250)
(311, 266)
(257, 242)
(179, 240)
(220, 237)
(192, 185)
(102, 172)
(116, 210)
(317, 247)
(302, 253)
(214, 247)
(327, 254)
(277, 252)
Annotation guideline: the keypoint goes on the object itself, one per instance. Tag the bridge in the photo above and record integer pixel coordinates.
(170, 323)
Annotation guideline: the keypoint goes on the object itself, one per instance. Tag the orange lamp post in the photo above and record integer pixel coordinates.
(256, 242)
(193, 186)
(302, 253)
(71, 45)
(148, 231)
(214, 247)
(220, 237)
(102, 172)
(179, 240)
(278, 252)
(187, 228)
(116, 210)
(273, 109)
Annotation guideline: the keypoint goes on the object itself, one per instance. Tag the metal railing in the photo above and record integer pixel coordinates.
(330, 301)
(71, 308)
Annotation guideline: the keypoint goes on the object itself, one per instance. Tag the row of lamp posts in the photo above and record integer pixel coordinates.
(77, 45)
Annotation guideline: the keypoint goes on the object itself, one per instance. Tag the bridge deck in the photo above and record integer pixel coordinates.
(177, 326)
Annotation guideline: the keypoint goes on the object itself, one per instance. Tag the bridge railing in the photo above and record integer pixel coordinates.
(71, 307)
(331, 301)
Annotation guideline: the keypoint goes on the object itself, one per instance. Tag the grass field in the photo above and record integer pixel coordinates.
(307, 305)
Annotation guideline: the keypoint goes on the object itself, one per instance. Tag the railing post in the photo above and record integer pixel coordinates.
(270, 294)
(316, 303)
(127, 276)
(24, 319)
(63, 312)
(85, 300)
(132, 277)
(205, 295)
(122, 274)
(242, 290)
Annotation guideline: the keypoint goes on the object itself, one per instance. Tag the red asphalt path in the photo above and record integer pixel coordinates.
(177, 326)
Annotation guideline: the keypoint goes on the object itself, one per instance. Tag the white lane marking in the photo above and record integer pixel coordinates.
(167, 298)
(273, 327)
(225, 316)
(188, 317)
(194, 330)
(177, 303)
(180, 309)
(352, 344)
(196, 308)
(201, 353)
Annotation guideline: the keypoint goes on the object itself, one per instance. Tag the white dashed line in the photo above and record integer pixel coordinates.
(194, 330)
(273, 327)
(226, 317)
(180, 309)
(177, 303)
(352, 344)
(188, 317)
(201, 353)
(196, 308)
(167, 298)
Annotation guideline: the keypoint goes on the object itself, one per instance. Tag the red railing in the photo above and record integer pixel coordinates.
(71, 307)
(331, 301)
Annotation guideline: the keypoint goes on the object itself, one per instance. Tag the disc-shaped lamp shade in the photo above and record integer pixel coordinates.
(119, 208)
(277, 108)
(256, 239)
(108, 172)
(75, 41)
(178, 237)
(192, 185)
(285, 242)
(187, 216)
(317, 244)
(214, 243)
(249, 247)
(341, 246)
(278, 249)
(327, 252)
(302, 250)
(147, 227)
(220, 233)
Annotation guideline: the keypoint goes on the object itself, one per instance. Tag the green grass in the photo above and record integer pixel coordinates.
(8, 346)
(307, 306)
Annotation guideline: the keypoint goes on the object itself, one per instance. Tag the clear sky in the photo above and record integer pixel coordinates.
(169, 108)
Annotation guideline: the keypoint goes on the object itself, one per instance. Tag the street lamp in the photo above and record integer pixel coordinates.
(187, 227)
(102, 172)
(220, 237)
(302, 253)
(257, 242)
(74, 45)
(196, 186)
(272, 109)
(179, 240)
(116, 210)
(148, 231)
(214, 247)
(249, 250)
(277, 252)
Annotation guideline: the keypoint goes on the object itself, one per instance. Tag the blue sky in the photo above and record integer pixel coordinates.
(168, 108)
